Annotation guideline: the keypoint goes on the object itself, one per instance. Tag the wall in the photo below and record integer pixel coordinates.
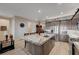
(4, 22)
(17, 31)
(12, 26)
(29, 27)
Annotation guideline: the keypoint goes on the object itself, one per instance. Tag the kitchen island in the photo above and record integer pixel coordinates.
(39, 44)
(76, 47)
(73, 39)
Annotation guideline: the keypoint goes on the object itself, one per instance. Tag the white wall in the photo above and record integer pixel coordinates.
(12, 26)
(4, 22)
(29, 27)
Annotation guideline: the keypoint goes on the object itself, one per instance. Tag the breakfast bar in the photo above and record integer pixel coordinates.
(39, 44)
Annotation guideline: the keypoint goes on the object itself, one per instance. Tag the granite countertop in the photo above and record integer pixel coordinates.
(73, 34)
(76, 45)
(38, 39)
(74, 38)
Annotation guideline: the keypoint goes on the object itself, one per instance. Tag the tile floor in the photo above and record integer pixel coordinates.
(60, 48)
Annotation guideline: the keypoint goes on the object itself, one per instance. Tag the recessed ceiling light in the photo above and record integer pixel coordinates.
(39, 11)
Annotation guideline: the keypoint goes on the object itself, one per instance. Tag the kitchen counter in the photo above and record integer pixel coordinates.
(76, 45)
(39, 44)
(73, 40)
(38, 39)
(73, 34)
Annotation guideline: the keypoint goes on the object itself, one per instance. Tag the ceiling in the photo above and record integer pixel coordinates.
(38, 11)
